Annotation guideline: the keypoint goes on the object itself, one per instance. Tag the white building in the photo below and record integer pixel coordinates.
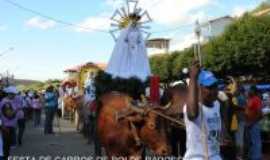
(215, 27)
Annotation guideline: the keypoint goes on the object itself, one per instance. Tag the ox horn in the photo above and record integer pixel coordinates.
(144, 100)
(167, 106)
(134, 108)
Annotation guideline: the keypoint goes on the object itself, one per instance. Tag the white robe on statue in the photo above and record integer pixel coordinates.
(129, 57)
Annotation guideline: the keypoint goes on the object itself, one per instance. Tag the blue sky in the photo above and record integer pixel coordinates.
(44, 48)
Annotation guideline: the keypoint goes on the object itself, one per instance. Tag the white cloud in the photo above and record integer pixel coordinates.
(169, 12)
(3, 27)
(239, 11)
(176, 12)
(185, 42)
(38, 22)
(91, 23)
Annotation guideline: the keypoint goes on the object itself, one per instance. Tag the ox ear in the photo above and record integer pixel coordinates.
(167, 106)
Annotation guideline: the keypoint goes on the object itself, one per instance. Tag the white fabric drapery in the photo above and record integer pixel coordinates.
(129, 57)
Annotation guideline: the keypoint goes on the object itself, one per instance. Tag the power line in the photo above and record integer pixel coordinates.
(19, 6)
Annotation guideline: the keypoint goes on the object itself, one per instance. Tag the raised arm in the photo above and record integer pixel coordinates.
(193, 92)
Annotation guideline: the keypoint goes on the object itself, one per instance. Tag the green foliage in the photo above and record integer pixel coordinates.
(160, 65)
(169, 66)
(34, 86)
(262, 6)
(183, 61)
(53, 82)
(39, 86)
(243, 49)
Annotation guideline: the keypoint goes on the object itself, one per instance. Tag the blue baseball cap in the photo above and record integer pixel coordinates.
(207, 78)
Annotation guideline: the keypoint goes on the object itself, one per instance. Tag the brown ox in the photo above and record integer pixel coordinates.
(74, 105)
(124, 136)
(71, 103)
(176, 133)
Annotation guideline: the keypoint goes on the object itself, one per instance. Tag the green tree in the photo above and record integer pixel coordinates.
(160, 66)
(169, 66)
(262, 6)
(243, 49)
(183, 60)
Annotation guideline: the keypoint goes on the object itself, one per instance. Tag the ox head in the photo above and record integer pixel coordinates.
(151, 129)
(153, 134)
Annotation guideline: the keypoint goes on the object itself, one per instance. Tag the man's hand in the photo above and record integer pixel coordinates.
(194, 70)
(193, 98)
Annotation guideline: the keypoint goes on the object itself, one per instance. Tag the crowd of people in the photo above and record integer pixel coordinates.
(233, 117)
(245, 115)
(19, 107)
(223, 120)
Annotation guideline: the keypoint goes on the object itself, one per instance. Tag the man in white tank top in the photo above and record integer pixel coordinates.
(202, 116)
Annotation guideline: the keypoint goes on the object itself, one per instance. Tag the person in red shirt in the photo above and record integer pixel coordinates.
(253, 131)
(254, 106)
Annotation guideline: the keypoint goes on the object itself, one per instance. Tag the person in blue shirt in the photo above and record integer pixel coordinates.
(51, 102)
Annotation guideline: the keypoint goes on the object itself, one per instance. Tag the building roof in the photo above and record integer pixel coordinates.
(160, 43)
(102, 65)
(216, 20)
(262, 12)
(159, 39)
(220, 18)
(77, 68)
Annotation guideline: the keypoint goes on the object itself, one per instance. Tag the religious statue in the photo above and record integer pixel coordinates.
(129, 57)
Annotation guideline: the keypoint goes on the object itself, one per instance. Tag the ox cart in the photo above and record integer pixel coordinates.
(127, 122)
(76, 93)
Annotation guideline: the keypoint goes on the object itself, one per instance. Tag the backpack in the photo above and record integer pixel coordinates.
(8, 111)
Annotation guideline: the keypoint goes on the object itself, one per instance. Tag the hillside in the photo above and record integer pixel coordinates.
(26, 82)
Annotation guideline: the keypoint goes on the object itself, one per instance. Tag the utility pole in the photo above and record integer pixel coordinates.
(197, 53)
(197, 48)
(7, 78)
